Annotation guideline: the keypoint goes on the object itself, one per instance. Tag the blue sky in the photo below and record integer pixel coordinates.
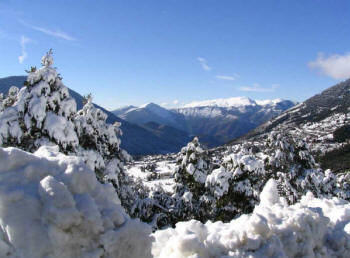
(167, 51)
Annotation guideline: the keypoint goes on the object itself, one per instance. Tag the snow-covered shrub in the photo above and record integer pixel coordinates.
(311, 228)
(342, 188)
(154, 206)
(53, 206)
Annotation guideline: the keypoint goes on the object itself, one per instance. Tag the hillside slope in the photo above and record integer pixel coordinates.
(333, 100)
(323, 121)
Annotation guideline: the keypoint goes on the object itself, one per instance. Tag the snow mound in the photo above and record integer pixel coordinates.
(311, 228)
(52, 205)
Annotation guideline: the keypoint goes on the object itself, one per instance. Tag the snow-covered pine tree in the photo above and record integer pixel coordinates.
(99, 146)
(294, 167)
(42, 112)
(236, 184)
(39, 113)
(193, 166)
(11, 97)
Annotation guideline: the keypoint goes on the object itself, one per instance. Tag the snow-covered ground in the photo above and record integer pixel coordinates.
(161, 176)
(320, 134)
(51, 205)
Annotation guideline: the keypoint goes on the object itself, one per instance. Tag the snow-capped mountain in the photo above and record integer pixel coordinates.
(150, 113)
(122, 110)
(225, 119)
(214, 121)
(229, 102)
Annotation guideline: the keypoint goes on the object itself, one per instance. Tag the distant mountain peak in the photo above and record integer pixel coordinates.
(233, 102)
(150, 105)
(229, 102)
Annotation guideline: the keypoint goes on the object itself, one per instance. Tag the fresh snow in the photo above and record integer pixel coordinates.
(52, 205)
(163, 175)
(311, 228)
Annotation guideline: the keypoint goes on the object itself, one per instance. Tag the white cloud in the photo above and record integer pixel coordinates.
(257, 88)
(175, 102)
(203, 63)
(335, 66)
(23, 42)
(226, 77)
(57, 33)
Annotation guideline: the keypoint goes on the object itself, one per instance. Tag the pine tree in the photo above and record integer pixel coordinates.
(40, 112)
(236, 184)
(99, 146)
(193, 166)
(294, 167)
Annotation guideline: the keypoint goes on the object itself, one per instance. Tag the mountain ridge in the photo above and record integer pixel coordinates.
(215, 124)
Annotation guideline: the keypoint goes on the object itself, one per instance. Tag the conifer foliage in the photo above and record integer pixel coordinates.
(40, 112)
(43, 113)
(193, 167)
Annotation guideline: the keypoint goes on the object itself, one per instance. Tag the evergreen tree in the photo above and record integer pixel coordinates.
(42, 112)
(236, 184)
(294, 167)
(39, 113)
(193, 166)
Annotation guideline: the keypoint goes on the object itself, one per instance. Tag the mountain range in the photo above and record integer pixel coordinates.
(215, 122)
(152, 129)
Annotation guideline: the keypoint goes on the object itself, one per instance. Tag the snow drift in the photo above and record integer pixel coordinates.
(311, 228)
(52, 205)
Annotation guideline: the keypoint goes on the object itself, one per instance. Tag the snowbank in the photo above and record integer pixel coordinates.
(51, 205)
(311, 228)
